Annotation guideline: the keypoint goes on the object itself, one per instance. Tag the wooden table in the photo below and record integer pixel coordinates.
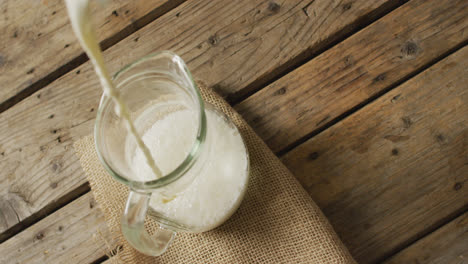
(366, 102)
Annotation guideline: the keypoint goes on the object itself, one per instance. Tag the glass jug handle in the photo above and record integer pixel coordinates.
(133, 227)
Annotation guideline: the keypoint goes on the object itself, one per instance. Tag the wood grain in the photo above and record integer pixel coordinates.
(447, 245)
(37, 38)
(396, 168)
(228, 43)
(73, 234)
(355, 70)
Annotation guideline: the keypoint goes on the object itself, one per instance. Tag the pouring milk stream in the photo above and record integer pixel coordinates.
(78, 11)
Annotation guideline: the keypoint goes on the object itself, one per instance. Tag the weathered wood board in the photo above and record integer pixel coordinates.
(73, 234)
(398, 167)
(447, 245)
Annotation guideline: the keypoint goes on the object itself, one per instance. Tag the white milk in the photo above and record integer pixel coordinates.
(219, 182)
(213, 188)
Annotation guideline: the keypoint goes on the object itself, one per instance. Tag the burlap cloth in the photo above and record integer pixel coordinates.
(277, 221)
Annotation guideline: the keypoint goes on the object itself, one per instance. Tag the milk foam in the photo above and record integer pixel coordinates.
(217, 189)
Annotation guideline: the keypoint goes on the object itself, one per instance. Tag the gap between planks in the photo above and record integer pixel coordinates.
(44, 212)
(447, 245)
(429, 232)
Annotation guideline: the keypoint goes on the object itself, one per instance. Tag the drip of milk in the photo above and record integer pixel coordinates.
(79, 13)
(220, 174)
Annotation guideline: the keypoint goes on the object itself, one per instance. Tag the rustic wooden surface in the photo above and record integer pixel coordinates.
(67, 106)
(355, 70)
(446, 245)
(374, 127)
(62, 237)
(391, 170)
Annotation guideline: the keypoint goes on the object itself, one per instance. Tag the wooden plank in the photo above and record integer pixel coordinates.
(73, 234)
(355, 70)
(396, 168)
(448, 245)
(38, 162)
(37, 38)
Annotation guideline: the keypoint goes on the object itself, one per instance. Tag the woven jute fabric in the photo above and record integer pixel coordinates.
(277, 221)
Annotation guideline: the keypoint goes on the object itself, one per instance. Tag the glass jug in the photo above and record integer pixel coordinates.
(199, 150)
